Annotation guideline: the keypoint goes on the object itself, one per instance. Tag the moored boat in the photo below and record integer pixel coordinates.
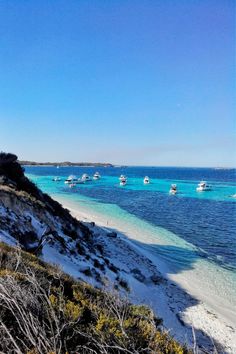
(96, 175)
(123, 180)
(203, 187)
(122, 177)
(173, 189)
(86, 178)
(146, 180)
(71, 179)
(80, 181)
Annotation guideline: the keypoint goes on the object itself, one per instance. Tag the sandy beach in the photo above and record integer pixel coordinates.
(188, 316)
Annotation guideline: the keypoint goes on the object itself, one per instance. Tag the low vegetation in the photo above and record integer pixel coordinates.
(43, 310)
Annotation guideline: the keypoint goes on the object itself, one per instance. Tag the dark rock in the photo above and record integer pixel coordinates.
(99, 248)
(85, 230)
(3, 179)
(113, 268)
(7, 181)
(156, 279)
(138, 275)
(112, 234)
(98, 265)
(80, 248)
(87, 271)
(123, 283)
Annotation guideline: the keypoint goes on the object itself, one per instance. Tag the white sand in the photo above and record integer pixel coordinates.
(183, 312)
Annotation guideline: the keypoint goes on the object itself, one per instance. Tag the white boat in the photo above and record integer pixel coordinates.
(122, 178)
(86, 178)
(71, 179)
(56, 179)
(96, 175)
(146, 180)
(173, 189)
(80, 181)
(203, 187)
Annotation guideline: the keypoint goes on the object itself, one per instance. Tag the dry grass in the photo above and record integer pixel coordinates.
(43, 310)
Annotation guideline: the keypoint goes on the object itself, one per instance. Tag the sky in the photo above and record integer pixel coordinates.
(123, 81)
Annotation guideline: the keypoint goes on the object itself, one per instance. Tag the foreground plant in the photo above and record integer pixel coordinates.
(42, 310)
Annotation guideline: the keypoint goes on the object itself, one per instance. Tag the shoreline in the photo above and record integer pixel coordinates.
(64, 164)
(180, 310)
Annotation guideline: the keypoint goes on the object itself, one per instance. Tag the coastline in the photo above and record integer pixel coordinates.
(181, 311)
(65, 164)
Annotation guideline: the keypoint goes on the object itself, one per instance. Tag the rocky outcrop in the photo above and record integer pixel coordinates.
(38, 224)
(27, 213)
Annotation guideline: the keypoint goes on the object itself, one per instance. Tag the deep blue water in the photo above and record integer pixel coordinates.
(206, 220)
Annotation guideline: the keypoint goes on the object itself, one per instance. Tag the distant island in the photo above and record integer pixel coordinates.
(65, 163)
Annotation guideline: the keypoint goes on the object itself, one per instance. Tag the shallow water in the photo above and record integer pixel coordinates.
(191, 231)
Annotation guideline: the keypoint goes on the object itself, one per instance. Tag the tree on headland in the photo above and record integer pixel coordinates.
(7, 158)
(11, 172)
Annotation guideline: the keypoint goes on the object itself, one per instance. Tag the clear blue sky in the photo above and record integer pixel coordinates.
(123, 81)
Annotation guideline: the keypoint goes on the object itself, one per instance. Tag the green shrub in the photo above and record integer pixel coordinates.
(50, 309)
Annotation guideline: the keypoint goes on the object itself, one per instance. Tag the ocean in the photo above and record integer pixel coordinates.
(194, 233)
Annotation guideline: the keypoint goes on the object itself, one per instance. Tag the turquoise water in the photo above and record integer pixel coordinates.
(221, 191)
(193, 233)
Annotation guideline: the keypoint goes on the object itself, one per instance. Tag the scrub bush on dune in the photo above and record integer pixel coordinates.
(43, 310)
